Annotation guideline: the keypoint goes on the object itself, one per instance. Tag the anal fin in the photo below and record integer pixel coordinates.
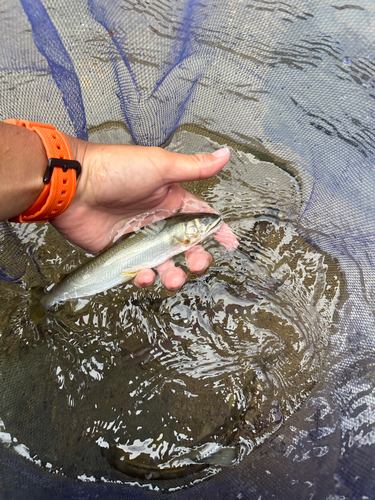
(78, 304)
(128, 275)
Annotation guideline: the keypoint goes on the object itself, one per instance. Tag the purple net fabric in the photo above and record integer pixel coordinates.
(296, 78)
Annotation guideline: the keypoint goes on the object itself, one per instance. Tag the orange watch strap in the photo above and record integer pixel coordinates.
(58, 193)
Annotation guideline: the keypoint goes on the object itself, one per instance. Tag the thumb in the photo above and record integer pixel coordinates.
(185, 168)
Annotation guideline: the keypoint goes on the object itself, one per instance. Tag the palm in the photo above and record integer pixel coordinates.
(125, 187)
(119, 192)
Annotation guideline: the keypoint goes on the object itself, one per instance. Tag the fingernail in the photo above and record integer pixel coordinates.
(220, 152)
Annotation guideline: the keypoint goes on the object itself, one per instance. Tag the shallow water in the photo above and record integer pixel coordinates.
(153, 384)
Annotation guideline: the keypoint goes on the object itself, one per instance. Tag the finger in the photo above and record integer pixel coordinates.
(172, 277)
(226, 237)
(145, 277)
(198, 259)
(185, 168)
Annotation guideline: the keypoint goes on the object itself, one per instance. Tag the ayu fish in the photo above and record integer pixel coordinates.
(146, 248)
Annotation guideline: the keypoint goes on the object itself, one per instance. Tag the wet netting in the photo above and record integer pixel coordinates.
(255, 380)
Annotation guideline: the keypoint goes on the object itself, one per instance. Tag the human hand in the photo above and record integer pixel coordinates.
(123, 188)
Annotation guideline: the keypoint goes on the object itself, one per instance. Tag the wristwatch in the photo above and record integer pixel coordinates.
(60, 178)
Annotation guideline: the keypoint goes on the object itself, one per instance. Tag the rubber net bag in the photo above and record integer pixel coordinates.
(255, 380)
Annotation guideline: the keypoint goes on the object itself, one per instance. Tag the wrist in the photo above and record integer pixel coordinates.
(79, 149)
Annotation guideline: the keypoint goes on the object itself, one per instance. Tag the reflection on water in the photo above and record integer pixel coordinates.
(162, 385)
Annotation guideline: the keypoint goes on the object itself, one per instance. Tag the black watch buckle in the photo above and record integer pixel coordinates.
(62, 163)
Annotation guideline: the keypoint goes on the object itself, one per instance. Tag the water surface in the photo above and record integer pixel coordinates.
(150, 384)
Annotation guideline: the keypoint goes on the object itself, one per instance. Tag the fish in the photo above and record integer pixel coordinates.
(148, 247)
(145, 467)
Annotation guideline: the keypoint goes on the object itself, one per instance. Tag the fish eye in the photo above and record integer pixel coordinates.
(202, 229)
(201, 226)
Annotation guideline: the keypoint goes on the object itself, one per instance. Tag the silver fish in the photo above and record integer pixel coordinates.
(147, 248)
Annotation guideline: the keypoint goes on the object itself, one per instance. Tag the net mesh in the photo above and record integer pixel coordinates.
(291, 83)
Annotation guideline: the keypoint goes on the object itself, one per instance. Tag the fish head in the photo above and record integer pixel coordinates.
(201, 226)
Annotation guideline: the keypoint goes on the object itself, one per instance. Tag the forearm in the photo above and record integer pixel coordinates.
(23, 162)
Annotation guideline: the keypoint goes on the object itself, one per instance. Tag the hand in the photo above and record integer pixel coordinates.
(123, 188)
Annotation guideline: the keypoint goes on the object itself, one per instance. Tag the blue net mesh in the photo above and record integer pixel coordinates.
(292, 83)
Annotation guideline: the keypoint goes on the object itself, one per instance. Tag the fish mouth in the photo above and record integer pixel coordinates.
(215, 225)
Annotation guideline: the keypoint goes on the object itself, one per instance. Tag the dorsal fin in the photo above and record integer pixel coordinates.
(154, 228)
(105, 248)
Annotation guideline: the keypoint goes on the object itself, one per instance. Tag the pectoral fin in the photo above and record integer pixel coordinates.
(78, 304)
(183, 242)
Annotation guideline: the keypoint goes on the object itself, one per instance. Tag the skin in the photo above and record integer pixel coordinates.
(121, 188)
